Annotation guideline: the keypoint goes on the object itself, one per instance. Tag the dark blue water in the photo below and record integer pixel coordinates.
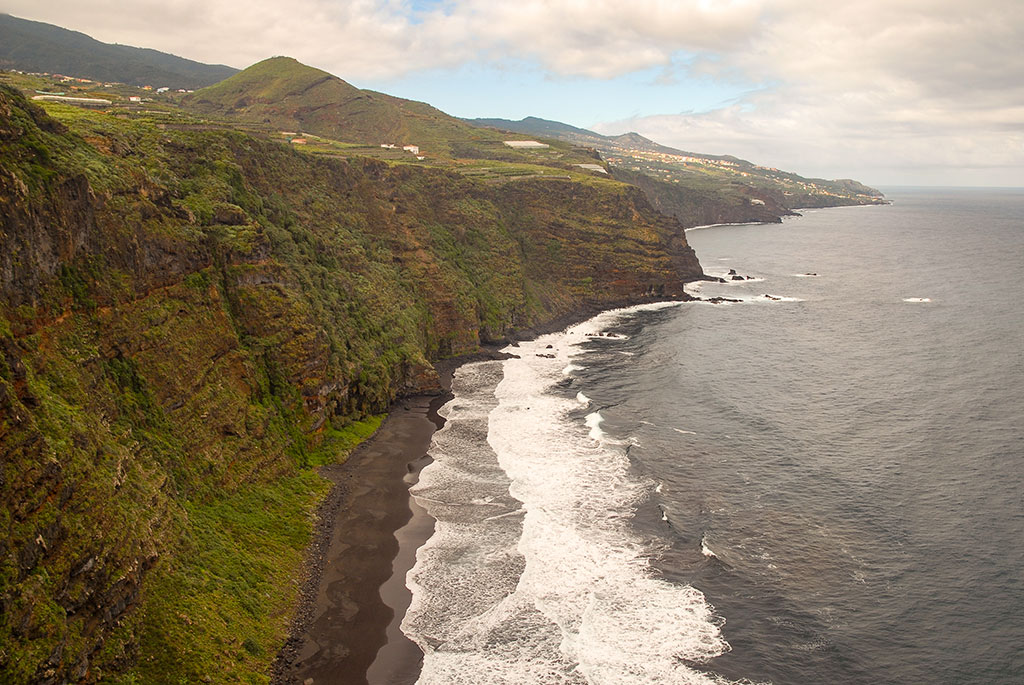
(841, 470)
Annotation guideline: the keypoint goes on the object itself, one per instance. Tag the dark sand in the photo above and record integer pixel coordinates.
(348, 627)
(344, 620)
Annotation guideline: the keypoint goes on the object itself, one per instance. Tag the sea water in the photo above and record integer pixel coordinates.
(820, 483)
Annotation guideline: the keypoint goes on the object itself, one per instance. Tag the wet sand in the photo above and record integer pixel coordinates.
(357, 582)
(348, 627)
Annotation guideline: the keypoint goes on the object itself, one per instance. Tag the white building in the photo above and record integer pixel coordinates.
(415, 149)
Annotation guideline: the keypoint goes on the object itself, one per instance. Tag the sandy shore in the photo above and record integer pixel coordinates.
(347, 630)
(343, 620)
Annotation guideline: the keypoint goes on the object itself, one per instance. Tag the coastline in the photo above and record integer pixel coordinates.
(347, 627)
(342, 620)
(353, 598)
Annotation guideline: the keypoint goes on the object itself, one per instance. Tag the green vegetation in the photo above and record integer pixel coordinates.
(700, 188)
(194, 318)
(221, 604)
(282, 94)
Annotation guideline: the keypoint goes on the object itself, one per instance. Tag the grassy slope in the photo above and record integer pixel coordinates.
(191, 320)
(289, 95)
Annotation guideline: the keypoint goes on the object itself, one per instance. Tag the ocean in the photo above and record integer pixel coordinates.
(821, 483)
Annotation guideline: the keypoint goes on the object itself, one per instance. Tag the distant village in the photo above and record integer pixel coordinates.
(667, 166)
(82, 84)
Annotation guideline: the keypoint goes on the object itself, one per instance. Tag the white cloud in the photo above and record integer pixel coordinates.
(898, 89)
(839, 85)
(372, 39)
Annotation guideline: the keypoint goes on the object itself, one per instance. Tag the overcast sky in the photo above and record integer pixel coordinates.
(891, 92)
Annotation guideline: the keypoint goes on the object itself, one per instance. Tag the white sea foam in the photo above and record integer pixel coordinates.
(917, 299)
(585, 570)
(693, 288)
(684, 432)
(742, 223)
(593, 422)
(805, 275)
(704, 549)
(478, 523)
(557, 589)
(582, 399)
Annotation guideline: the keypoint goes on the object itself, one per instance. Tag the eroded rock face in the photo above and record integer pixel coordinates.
(169, 345)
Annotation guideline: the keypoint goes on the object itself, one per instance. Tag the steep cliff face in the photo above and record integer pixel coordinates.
(698, 202)
(190, 320)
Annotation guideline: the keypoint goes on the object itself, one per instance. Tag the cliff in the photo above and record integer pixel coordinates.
(191, 320)
(699, 188)
(698, 201)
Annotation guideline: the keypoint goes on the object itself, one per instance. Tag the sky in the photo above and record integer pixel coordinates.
(890, 92)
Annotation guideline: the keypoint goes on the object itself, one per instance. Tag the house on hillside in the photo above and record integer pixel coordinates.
(415, 149)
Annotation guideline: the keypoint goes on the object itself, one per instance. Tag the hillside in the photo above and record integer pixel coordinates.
(38, 47)
(193, 318)
(700, 188)
(282, 93)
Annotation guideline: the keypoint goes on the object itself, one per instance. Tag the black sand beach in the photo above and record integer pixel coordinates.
(347, 629)
(344, 620)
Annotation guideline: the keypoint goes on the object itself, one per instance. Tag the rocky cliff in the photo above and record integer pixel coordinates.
(191, 320)
(702, 203)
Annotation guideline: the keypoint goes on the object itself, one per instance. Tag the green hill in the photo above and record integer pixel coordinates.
(283, 93)
(38, 47)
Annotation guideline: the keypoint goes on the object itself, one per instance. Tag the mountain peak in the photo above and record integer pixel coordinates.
(274, 80)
